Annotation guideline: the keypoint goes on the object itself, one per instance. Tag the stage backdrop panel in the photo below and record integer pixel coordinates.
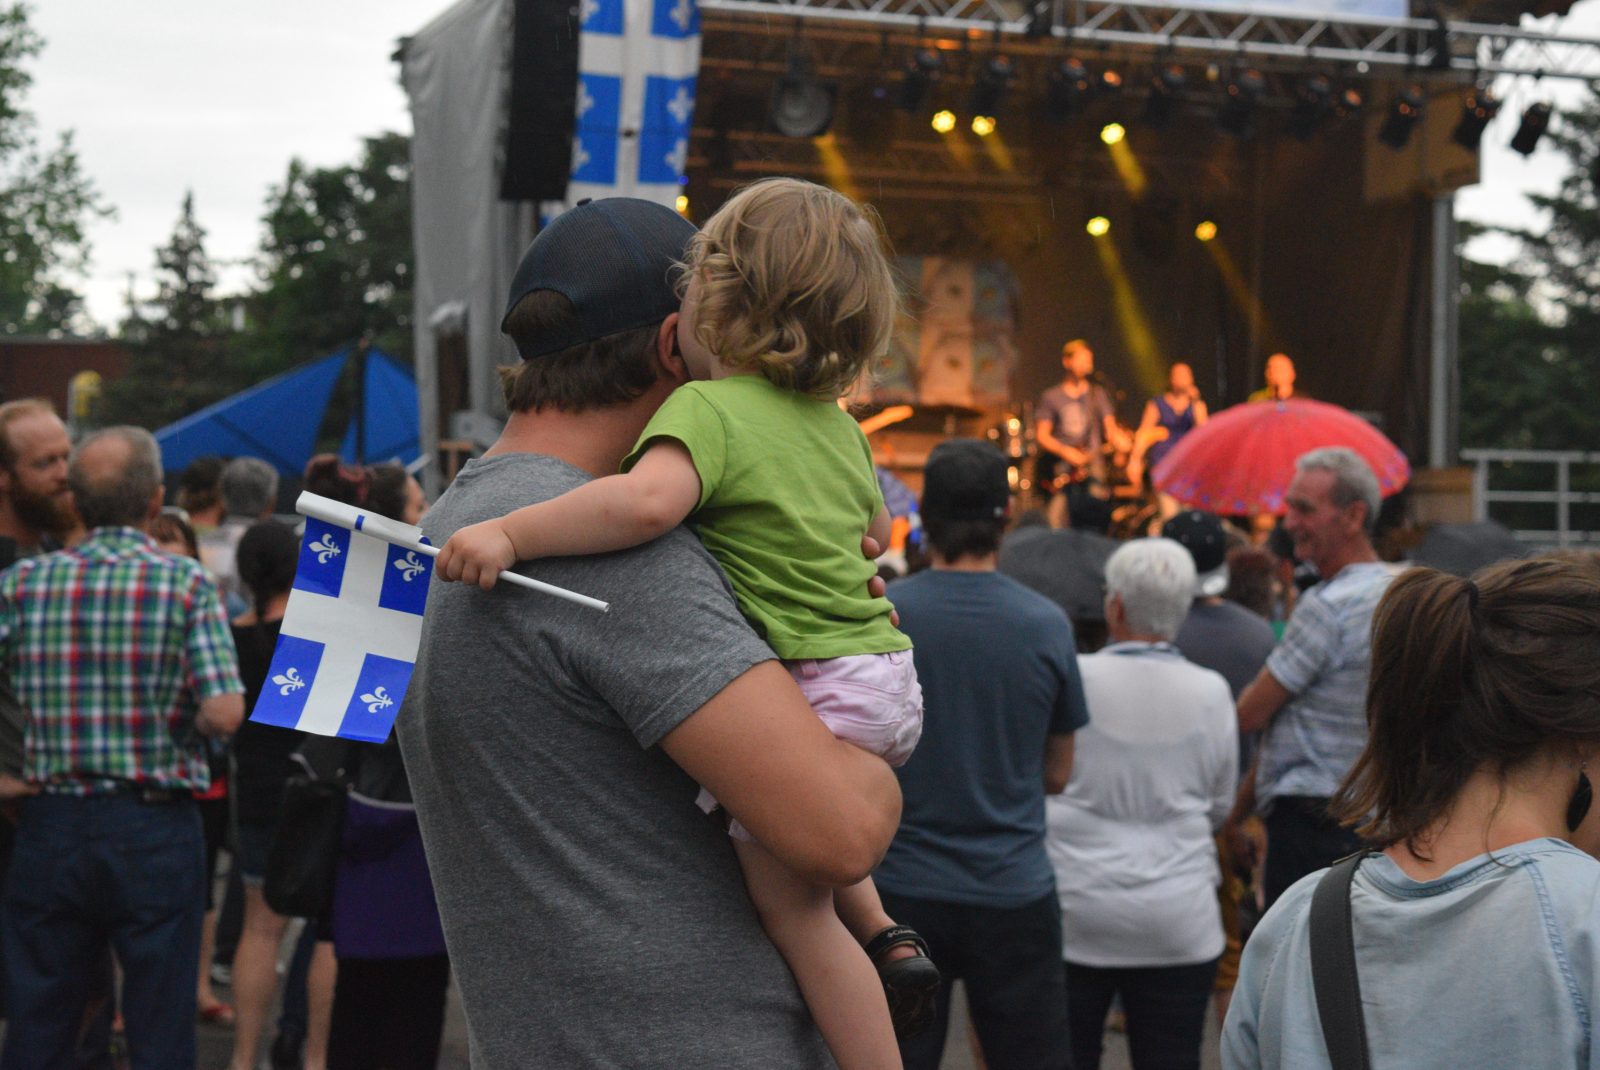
(955, 341)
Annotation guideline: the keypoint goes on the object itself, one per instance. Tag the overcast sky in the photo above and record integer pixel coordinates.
(218, 96)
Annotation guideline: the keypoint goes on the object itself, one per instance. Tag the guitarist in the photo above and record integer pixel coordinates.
(1073, 423)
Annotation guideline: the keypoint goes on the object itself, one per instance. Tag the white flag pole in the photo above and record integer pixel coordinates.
(349, 517)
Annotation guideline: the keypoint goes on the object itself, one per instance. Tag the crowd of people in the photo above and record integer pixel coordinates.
(1146, 781)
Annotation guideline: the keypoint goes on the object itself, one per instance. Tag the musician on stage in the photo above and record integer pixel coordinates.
(1280, 377)
(1073, 423)
(1167, 418)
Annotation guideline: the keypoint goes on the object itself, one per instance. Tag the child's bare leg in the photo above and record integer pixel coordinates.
(838, 982)
(862, 913)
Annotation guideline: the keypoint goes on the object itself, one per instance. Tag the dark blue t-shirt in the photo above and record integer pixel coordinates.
(999, 673)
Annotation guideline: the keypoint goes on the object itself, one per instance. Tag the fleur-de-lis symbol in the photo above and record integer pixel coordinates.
(378, 700)
(580, 156)
(288, 680)
(683, 14)
(410, 568)
(678, 157)
(588, 10)
(681, 106)
(325, 548)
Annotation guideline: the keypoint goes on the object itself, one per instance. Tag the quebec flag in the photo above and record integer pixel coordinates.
(637, 67)
(350, 634)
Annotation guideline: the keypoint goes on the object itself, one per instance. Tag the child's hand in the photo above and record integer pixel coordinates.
(476, 554)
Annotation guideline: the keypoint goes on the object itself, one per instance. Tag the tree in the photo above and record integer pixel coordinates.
(178, 362)
(1530, 330)
(335, 261)
(46, 202)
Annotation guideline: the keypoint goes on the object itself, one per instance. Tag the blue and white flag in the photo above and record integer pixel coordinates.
(637, 67)
(349, 637)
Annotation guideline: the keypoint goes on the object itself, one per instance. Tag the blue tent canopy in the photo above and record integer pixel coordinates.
(278, 420)
(391, 416)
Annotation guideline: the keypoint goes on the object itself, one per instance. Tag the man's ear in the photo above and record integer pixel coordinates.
(668, 355)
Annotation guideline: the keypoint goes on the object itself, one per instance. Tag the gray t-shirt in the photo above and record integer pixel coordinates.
(595, 916)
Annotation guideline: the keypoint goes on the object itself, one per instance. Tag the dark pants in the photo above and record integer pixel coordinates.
(1165, 1007)
(1301, 838)
(388, 1014)
(1010, 959)
(89, 874)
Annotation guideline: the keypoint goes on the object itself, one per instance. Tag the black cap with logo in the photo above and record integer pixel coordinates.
(1202, 535)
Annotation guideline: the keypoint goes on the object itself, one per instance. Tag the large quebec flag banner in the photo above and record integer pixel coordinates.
(350, 634)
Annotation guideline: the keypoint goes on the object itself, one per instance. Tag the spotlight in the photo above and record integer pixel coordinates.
(1112, 133)
(1480, 107)
(1098, 226)
(682, 204)
(1535, 121)
(1110, 83)
(801, 106)
(1069, 89)
(1206, 230)
(1312, 106)
(1402, 117)
(989, 89)
(983, 125)
(1348, 102)
(944, 121)
(1164, 89)
(1239, 106)
(922, 70)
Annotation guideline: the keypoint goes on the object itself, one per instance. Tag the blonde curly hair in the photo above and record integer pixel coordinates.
(794, 284)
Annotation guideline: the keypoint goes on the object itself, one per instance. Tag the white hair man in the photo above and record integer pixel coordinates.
(249, 488)
(1311, 697)
(1131, 839)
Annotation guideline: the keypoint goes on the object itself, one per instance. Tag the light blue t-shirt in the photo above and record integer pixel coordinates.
(1323, 661)
(1494, 964)
(999, 674)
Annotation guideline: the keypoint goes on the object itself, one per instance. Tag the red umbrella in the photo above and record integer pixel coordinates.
(1242, 459)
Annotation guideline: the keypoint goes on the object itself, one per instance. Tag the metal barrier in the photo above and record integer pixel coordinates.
(1560, 500)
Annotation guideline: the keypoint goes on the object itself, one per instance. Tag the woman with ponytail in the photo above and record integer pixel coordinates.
(1476, 921)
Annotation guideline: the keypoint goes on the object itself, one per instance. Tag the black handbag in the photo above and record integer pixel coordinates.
(1333, 968)
(304, 859)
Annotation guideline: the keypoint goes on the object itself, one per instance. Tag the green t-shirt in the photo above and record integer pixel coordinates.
(787, 490)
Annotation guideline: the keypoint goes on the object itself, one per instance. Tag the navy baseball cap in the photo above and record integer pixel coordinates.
(966, 479)
(613, 259)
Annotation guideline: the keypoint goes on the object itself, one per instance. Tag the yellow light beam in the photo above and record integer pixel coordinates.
(995, 146)
(1127, 165)
(834, 167)
(1135, 325)
(1234, 281)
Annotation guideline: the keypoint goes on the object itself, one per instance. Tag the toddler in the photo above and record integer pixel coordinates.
(786, 298)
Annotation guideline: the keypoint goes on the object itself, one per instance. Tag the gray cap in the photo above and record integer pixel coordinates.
(614, 259)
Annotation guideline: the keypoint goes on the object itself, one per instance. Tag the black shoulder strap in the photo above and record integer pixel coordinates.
(1333, 968)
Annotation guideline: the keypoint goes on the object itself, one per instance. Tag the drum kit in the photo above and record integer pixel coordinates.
(902, 435)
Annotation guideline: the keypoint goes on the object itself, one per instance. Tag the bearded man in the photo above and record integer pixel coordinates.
(36, 513)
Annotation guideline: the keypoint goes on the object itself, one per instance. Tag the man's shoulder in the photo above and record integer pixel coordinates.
(932, 586)
(1356, 587)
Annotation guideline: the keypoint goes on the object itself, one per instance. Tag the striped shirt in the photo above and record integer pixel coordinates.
(111, 646)
(1323, 661)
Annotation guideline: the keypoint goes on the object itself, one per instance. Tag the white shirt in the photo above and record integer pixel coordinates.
(1153, 775)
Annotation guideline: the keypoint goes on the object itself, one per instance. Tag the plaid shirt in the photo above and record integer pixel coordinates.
(111, 647)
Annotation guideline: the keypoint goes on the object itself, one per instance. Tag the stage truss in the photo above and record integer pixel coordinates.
(1436, 49)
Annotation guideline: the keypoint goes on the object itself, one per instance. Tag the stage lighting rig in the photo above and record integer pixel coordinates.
(922, 71)
(1109, 84)
(1313, 104)
(1113, 133)
(801, 106)
(1069, 89)
(1205, 230)
(1238, 111)
(1098, 226)
(1348, 102)
(1404, 112)
(990, 87)
(983, 125)
(1165, 87)
(1535, 121)
(1476, 112)
(944, 121)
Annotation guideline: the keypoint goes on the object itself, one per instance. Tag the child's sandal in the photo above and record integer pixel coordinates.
(911, 983)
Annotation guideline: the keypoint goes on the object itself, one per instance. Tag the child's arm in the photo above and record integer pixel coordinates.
(612, 513)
